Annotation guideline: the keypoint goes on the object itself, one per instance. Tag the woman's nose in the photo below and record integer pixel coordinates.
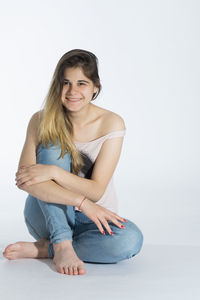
(73, 89)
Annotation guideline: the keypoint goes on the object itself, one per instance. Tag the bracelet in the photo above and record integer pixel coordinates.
(81, 203)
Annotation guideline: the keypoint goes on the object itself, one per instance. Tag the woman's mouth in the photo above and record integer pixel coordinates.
(73, 99)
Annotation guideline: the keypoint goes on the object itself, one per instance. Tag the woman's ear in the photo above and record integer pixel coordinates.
(94, 95)
(96, 89)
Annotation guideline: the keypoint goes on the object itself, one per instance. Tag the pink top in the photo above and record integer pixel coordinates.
(89, 152)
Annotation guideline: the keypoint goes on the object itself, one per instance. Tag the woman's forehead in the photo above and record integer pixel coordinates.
(75, 72)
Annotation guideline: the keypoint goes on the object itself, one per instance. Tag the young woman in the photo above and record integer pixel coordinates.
(67, 163)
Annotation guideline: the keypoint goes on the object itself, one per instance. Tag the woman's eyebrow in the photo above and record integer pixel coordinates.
(81, 80)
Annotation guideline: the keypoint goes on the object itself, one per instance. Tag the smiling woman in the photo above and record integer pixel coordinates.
(71, 150)
(77, 89)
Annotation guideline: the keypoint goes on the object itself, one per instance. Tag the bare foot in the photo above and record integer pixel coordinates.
(66, 260)
(37, 249)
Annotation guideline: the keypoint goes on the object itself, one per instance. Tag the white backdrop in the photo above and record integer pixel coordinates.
(149, 67)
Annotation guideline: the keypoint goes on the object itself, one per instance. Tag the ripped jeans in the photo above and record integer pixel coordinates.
(59, 223)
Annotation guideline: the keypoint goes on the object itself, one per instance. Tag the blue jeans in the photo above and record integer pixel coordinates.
(59, 223)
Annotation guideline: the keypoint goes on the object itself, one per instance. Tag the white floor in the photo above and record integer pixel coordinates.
(158, 272)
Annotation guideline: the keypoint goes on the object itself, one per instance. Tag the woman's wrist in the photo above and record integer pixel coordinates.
(54, 172)
(60, 176)
(82, 203)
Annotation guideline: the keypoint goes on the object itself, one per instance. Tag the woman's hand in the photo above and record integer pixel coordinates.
(100, 215)
(33, 174)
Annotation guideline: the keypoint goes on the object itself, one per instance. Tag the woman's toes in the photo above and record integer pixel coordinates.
(81, 271)
(9, 256)
(60, 270)
(75, 271)
(71, 272)
(9, 248)
(15, 247)
(65, 270)
(5, 254)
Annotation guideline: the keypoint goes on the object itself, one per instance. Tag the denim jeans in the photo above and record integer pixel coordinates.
(59, 223)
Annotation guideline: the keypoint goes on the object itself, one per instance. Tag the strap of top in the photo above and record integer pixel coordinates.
(113, 134)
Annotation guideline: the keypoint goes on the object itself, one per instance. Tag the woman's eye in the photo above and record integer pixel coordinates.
(66, 83)
(81, 83)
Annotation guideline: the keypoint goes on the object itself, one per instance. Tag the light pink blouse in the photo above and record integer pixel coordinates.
(89, 152)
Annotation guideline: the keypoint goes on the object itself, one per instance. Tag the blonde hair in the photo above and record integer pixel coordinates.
(55, 125)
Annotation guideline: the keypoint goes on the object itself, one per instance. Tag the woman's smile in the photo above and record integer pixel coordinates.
(73, 99)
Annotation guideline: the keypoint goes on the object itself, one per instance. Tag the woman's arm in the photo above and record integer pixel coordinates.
(47, 191)
(103, 170)
(51, 192)
(104, 167)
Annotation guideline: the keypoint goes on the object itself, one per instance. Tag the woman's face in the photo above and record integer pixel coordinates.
(77, 89)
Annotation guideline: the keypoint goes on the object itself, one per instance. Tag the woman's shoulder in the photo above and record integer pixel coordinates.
(110, 121)
(34, 123)
(36, 118)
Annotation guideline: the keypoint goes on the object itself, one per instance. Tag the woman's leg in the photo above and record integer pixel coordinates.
(47, 220)
(59, 219)
(39, 227)
(91, 246)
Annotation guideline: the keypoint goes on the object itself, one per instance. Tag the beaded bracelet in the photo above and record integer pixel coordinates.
(81, 203)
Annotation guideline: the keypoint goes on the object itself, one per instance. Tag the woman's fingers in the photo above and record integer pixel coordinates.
(106, 225)
(113, 217)
(100, 216)
(20, 171)
(19, 177)
(22, 180)
(118, 217)
(114, 221)
(96, 221)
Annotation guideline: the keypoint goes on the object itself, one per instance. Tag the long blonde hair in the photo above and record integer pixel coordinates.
(55, 125)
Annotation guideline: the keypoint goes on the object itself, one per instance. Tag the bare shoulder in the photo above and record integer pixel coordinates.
(32, 130)
(115, 122)
(111, 121)
(35, 120)
(36, 117)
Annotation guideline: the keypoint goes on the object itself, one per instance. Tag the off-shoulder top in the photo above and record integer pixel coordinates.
(89, 152)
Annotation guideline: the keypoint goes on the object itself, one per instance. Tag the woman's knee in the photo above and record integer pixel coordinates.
(134, 238)
(127, 242)
(52, 155)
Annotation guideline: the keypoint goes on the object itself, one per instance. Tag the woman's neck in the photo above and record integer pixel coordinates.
(80, 119)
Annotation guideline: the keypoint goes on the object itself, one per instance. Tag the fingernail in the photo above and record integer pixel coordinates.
(111, 232)
(122, 226)
(103, 232)
(125, 220)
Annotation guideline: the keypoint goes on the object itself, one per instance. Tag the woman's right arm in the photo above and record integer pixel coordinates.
(47, 191)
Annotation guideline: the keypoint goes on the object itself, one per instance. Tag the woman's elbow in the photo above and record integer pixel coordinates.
(99, 192)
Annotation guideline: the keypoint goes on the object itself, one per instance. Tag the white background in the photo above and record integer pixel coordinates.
(149, 67)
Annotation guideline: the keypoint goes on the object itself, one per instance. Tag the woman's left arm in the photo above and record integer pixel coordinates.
(103, 170)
